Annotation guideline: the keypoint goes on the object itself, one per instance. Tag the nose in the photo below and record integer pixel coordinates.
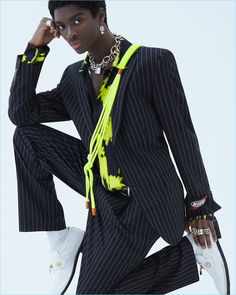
(71, 33)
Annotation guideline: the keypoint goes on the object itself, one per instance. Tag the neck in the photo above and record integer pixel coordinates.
(103, 46)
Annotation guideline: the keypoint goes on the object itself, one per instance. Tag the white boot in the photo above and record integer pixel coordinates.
(213, 261)
(64, 259)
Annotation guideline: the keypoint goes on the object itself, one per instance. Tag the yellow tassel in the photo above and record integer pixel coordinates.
(87, 204)
(99, 132)
(96, 141)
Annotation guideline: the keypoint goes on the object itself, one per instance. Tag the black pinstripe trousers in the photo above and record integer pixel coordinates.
(116, 241)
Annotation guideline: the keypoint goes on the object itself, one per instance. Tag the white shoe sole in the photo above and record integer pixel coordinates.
(73, 270)
(225, 266)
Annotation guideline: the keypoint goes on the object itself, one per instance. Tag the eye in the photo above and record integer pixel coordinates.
(77, 21)
(60, 27)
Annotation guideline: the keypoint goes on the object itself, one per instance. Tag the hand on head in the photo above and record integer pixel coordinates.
(45, 33)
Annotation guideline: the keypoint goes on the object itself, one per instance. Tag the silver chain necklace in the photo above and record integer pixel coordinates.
(106, 59)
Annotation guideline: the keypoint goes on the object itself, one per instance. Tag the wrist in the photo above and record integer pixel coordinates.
(33, 44)
(35, 55)
(200, 206)
(209, 216)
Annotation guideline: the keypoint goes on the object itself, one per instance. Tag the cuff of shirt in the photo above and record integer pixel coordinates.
(35, 55)
(202, 206)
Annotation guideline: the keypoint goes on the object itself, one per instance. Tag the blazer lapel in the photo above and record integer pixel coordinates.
(82, 90)
(83, 95)
(120, 96)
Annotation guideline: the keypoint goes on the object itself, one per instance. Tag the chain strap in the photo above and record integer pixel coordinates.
(106, 59)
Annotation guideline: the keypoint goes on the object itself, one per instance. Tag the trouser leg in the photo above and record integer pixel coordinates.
(115, 246)
(40, 152)
(171, 268)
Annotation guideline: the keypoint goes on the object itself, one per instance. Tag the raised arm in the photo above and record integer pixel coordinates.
(25, 106)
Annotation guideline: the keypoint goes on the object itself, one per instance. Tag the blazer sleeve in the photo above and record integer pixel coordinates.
(25, 106)
(173, 113)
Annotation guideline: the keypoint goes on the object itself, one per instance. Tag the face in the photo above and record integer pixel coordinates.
(78, 27)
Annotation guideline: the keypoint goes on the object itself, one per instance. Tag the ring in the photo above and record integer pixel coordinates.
(48, 23)
(207, 231)
(194, 231)
(200, 232)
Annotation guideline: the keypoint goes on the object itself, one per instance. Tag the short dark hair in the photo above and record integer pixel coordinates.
(91, 5)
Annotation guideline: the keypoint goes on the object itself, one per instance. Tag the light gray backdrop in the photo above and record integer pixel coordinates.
(201, 36)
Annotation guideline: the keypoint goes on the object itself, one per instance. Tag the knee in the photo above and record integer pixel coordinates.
(22, 133)
(18, 134)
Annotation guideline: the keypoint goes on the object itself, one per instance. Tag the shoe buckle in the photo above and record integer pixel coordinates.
(50, 268)
(58, 264)
(207, 264)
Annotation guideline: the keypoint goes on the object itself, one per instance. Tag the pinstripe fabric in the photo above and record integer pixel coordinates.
(116, 240)
(164, 271)
(41, 151)
(149, 102)
(121, 238)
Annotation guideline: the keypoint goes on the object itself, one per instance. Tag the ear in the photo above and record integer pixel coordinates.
(101, 14)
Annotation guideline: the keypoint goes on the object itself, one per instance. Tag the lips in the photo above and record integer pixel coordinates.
(75, 45)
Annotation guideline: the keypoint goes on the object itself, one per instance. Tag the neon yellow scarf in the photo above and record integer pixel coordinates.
(98, 134)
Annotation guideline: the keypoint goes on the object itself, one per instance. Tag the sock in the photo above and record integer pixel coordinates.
(57, 239)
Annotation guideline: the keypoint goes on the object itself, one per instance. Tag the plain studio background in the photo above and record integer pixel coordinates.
(201, 36)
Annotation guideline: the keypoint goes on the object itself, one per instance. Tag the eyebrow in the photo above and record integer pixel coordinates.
(71, 18)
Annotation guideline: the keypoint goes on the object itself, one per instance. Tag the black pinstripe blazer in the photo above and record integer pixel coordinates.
(150, 102)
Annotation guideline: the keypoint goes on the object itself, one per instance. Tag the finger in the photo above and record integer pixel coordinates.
(49, 25)
(194, 225)
(56, 33)
(187, 230)
(212, 229)
(201, 236)
(53, 32)
(207, 233)
(52, 28)
(186, 227)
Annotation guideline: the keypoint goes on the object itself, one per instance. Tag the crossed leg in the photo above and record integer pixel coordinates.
(116, 241)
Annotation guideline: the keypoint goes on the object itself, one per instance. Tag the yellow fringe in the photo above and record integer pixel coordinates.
(98, 134)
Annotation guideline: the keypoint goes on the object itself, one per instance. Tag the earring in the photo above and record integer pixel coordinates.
(102, 30)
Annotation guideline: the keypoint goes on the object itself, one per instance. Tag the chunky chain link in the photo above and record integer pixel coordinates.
(108, 58)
